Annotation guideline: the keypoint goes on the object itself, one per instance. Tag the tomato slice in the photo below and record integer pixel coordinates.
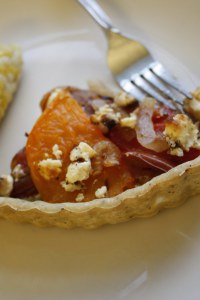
(64, 123)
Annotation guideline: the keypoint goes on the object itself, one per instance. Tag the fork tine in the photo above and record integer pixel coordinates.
(127, 86)
(144, 86)
(128, 59)
(150, 77)
(160, 71)
(158, 84)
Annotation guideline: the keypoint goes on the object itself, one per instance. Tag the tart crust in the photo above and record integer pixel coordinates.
(168, 190)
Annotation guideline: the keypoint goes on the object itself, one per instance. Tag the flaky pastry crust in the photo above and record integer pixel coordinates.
(165, 191)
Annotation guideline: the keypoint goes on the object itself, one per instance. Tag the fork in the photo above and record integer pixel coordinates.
(133, 66)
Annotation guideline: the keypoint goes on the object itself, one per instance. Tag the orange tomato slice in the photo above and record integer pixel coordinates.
(64, 123)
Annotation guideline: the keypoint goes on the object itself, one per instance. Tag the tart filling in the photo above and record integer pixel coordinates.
(87, 146)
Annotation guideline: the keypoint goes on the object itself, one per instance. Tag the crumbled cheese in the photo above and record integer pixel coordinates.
(71, 187)
(18, 172)
(50, 168)
(192, 106)
(6, 185)
(78, 171)
(124, 99)
(79, 197)
(101, 192)
(176, 151)
(105, 112)
(97, 103)
(129, 121)
(56, 151)
(83, 150)
(182, 133)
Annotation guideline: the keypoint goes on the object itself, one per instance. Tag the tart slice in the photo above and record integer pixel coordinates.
(94, 160)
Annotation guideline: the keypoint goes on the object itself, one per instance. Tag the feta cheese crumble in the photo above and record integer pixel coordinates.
(18, 172)
(101, 192)
(78, 171)
(56, 151)
(50, 168)
(181, 134)
(192, 106)
(123, 99)
(83, 150)
(129, 121)
(105, 112)
(71, 187)
(6, 185)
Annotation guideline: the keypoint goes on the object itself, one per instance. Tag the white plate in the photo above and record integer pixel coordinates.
(157, 258)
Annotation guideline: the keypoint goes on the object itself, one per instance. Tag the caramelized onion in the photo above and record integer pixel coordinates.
(146, 134)
(23, 185)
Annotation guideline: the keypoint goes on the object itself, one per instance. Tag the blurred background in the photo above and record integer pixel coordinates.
(173, 24)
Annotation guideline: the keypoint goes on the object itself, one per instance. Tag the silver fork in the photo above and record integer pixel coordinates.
(133, 66)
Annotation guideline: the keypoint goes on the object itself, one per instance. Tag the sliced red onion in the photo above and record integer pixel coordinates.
(146, 135)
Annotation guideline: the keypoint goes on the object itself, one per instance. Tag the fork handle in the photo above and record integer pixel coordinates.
(93, 8)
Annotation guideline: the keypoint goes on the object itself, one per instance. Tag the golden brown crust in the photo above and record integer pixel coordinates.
(167, 190)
